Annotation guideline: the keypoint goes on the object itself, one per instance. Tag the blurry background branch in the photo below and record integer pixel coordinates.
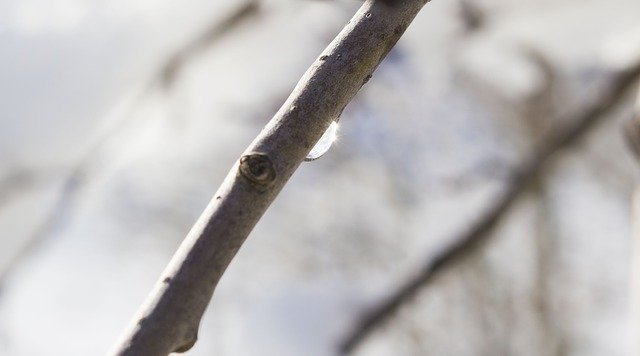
(632, 129)
(172, 67)
(479, 232)
(73, 184)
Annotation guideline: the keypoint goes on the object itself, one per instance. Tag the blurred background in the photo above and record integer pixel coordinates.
(119, 119)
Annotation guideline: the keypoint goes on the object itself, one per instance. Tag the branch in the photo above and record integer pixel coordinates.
(169, 319)
(632, 130)
(176, 62)
(75, 180)
(479, 232)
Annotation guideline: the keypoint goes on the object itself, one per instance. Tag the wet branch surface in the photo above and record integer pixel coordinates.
(479, 232)
(169, 319)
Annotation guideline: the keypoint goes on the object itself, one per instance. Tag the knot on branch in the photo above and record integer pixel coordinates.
(258, 169)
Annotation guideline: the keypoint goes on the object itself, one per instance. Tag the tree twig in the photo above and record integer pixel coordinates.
(632, 130)
(169, 319)
(479, 232)
(75, 180)
(176, 62)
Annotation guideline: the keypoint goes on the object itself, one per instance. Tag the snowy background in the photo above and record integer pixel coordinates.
(119, 119)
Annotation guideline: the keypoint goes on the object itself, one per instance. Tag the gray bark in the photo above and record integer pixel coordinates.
(169, 319)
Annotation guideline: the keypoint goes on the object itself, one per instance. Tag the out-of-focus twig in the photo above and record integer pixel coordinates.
(479, 232)
(176, 62)
(76, 178)
(632, 130)
(472, 15)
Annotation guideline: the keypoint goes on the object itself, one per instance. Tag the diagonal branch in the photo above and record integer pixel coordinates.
(75, 180)
(479, 232)
(176, 62)
(169, 319)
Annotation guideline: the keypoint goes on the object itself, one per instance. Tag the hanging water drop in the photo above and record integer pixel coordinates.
(324, 143)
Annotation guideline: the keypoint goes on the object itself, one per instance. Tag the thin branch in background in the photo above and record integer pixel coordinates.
(169, 319)
(472, 15)
(632, 130)
(176, 62)
(75, 180)
(477, 235)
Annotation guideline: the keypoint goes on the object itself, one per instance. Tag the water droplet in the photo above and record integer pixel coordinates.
(324, 143)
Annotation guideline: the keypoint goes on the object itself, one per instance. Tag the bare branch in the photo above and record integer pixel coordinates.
(479, 232)
(632, 130)
(169, 319)
(175, 63)
(472, 15)
(76, 178)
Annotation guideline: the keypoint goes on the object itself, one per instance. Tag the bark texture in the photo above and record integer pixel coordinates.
(169, 319)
